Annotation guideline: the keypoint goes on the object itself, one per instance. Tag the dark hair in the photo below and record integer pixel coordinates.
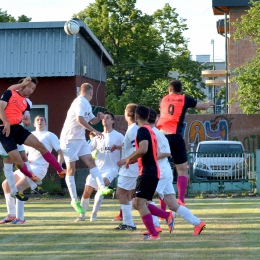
(109, 113)
(41, 116)
(34, 80)
(152, 116)
(142, 112)
(176, 86)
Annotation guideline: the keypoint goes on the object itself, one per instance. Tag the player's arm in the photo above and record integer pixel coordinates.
(81, 120)
(25, 82)
(204, 105)
(6, 129)
(116, 147)
(97, 119)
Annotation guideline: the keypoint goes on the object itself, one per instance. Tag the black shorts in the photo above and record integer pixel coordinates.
(178, 148)
(146, 186)
(18, 135)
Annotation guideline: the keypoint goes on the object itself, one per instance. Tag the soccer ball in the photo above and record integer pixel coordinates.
(71, 27)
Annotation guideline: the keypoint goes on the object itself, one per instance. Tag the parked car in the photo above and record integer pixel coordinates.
(220, 159)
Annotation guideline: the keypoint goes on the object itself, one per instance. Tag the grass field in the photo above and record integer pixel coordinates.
(233, 232)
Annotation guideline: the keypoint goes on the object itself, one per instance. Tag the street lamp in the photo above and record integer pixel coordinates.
(213, 68)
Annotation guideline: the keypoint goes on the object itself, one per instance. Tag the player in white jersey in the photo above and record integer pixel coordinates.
(74, 144)
(38, 165)
(165, 187)
(127, 176)
(106, 162)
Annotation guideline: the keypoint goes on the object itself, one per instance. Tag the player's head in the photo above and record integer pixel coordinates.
(152, 116)
(109, 119)
(142, 113)
(175, 86)
(86, 90)
(29, 88)
(40, 122)
(130, 111)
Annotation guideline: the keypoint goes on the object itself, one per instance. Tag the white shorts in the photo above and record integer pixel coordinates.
(38, 171)
(110, 175)
(73, 149)
(165, 187)
(126, 183)
(3, 153)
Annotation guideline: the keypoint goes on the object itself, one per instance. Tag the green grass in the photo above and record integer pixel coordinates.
(232, 233)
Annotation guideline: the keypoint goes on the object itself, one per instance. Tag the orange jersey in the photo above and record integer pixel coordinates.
(173, 108)
(16, 105)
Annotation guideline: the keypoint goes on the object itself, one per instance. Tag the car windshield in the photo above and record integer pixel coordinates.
(218, 149)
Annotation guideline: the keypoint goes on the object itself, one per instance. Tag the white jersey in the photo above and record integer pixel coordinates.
(71, 128)
(129, 148)
(106, 160)
(163, 147)
(50, 141)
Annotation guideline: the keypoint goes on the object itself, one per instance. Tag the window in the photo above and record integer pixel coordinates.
(37, 110)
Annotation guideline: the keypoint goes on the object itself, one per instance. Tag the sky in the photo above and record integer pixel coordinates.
(198, 13)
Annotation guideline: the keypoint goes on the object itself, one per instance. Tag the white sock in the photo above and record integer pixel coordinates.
(10, 204)
(95, 173)
(188, 216)
(84, 204)
(155, 218)
(9, 175)
(70, 181)
(97, 202)
(20, 209)
(127, 215)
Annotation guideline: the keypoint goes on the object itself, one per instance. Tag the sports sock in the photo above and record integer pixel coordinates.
(120, 213)
(10, 204)
(97, 202)
(155, 218)
(158, 212)
(9, 175)
(32, 184)
(127, 214)
(50, 158)
(84, 204)
(188, 216)
(148, 222)
(25, 171)
(20, 209)
(182, 183)
(95, 173)
(70, 181)
(162, 204)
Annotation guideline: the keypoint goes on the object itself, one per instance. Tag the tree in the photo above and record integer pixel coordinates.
(247, 76)
(7, 18)
(144, 48)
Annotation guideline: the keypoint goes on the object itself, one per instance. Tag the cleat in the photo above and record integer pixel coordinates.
(181, 203)
(106, 191)
(118, 218)
(93, 217)
(62, 174)
(199, 228)
(150, 237)
(125, 227)
(18, 221)
(76, 205)
(158, 230)
(80, 219)
(7, 219)
(170, 222)
(20, 196)
(39, 190)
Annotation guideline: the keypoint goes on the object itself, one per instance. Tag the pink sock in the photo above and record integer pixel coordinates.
(182, 183)
(121, 213)
(25, 171)
(148, 222)
(162, 204)
(158, 212)
(52, 161)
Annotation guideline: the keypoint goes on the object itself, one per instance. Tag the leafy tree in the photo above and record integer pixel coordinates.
(144, 48)
(247, 76)
(7, 18)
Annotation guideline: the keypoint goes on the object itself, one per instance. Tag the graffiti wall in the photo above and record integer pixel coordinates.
(244, 128)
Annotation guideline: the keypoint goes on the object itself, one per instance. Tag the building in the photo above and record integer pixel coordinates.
(59, 61)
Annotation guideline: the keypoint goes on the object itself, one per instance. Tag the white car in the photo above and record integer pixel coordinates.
(220, 159)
